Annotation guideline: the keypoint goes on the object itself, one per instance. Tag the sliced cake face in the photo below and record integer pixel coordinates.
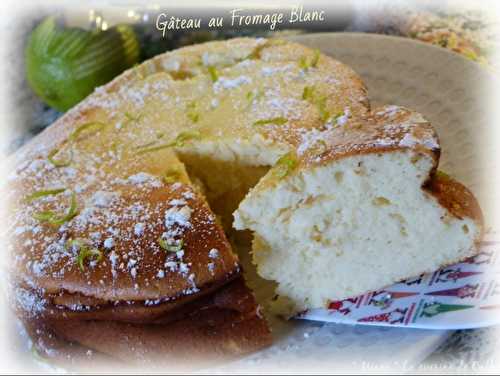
(361, 214)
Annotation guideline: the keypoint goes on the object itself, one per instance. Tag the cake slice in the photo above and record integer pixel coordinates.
(362, 211)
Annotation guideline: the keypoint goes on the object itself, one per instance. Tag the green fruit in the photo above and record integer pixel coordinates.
(64, 65)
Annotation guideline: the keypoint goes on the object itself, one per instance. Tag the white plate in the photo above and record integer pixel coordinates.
(449, 90)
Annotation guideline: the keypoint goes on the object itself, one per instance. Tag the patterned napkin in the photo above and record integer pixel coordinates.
(461, 296)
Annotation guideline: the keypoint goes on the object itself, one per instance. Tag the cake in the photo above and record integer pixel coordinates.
(114, 242)
(118, 212)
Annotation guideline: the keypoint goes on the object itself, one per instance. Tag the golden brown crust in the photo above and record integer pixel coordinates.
(78, 307)
(457, 199)
(387, 128)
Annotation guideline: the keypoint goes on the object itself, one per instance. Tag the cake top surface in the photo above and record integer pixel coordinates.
(385, 128)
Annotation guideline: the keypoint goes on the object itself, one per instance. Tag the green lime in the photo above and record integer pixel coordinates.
(64, 65)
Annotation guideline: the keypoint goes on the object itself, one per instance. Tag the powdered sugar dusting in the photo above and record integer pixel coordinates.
(393, 127)
(225, 83)
(143, 178)
(178, 216)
